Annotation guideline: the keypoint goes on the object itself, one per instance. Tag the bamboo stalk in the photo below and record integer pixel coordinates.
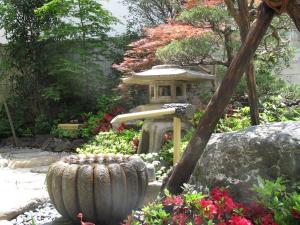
(15, 142)
(176, 139)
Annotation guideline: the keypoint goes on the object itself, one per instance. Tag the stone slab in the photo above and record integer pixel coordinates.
(20, 190)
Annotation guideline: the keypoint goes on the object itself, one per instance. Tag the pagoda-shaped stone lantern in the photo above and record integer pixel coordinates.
(167, 84)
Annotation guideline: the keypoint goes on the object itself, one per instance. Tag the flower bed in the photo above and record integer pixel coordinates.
(273, 206)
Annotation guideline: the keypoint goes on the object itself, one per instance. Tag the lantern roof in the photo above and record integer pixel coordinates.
(167, 73)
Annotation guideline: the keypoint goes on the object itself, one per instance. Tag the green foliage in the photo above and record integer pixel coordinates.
(155, 214)
(105, 102)
(166, 153)
(42, 124)
(143, 13)
(91, 121)
(201, 16)
(238, 121)
(61, 133)
(26, 55)
(82, 26)
(275, 196)
(111, 142)
(54, 57)
(275, 109)
(189, 50)
(82, 19)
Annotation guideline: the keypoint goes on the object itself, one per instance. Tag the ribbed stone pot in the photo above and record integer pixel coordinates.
(105, 188)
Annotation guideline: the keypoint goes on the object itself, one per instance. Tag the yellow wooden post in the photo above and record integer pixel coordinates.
(176, 139)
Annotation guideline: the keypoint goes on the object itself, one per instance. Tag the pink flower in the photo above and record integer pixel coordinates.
(180, 218)
(178, 200)
(173, 200)
(238, 220)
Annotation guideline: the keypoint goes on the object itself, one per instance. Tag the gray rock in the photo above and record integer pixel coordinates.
(151, 172)
(3, 162)
(236, 159)
(59, 145)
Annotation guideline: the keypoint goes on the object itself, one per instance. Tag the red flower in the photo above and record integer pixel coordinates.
(180, 218)
(209, 208)
(121, 128)
(238, 220)
(205, 203)
(167, 136)
(222, 223)
(268, 220)
(229, 204)
(257, 210)
(108, 117)
(197, 220)
(295, 214)
(245, 210)
(80, 217)
(117, 110)
(218, 193)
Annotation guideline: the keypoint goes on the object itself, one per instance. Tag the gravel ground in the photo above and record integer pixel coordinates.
(46, 214)
(42, 215)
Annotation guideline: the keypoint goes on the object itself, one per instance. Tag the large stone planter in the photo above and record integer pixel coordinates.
(105, 188)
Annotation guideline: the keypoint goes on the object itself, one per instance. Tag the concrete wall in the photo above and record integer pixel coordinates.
(292, 74)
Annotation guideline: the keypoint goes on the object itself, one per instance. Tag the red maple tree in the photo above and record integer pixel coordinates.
(141, 54)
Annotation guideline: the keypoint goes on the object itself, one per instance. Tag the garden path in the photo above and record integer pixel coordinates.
(22, 179)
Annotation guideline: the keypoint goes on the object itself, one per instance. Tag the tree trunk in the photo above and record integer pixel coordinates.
(244, 26)
(218, 103)
(252, 94)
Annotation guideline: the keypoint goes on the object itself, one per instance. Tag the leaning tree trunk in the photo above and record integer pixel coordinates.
(218, 103)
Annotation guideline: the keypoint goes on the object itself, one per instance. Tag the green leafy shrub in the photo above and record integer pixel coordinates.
(240, 119)
(112, 142)
(275, 109)
(61, 133)
(90, 122)
(42, 124)
(284, 204)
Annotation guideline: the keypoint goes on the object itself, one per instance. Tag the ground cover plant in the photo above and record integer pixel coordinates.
(273, 205)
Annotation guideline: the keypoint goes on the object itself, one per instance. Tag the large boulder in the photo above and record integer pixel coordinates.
(236, 159)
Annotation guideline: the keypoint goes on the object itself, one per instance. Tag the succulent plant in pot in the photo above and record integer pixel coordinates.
(104, 187)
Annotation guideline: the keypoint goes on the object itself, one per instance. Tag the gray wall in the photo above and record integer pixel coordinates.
(292, 74)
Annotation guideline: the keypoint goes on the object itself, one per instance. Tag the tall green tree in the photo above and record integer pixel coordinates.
(26, 53)
(82, 25)
(55, 52)
(145, 13)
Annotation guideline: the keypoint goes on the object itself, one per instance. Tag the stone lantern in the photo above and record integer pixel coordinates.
(167, 84)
